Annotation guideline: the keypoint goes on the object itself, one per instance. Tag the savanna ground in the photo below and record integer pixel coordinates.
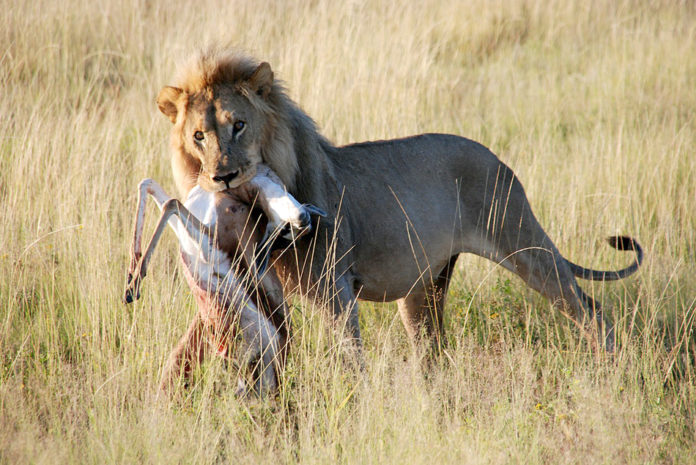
(593, 105)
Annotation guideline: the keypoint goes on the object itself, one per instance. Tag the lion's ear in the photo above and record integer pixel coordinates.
(167, 101)
(262, 79)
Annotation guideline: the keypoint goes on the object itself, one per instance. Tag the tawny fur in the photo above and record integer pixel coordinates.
(400, 211)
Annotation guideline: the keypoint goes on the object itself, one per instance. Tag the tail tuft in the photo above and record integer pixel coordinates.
(623, 243)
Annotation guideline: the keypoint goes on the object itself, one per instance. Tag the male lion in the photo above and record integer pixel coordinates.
(399, 211)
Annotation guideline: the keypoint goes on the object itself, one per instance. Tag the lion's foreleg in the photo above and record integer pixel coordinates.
(340, 300)
(259, 350)
(272, 305)
(188, 353)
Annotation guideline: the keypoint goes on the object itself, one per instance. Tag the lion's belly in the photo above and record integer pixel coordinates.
(426, 202)
(390, 278)
(397, 254)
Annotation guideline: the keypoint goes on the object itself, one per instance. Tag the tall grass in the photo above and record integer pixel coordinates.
(591, 103)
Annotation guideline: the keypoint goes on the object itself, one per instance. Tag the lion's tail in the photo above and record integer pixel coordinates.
(619, 243)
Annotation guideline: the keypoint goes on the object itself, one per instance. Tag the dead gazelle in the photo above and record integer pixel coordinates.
(242, 311)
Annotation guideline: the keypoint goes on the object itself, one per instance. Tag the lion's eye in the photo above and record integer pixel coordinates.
(238, 125)
(198, 135)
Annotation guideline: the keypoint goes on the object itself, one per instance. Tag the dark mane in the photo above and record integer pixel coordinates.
(291, 141)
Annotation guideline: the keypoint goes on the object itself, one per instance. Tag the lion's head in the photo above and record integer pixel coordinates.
(224, 107)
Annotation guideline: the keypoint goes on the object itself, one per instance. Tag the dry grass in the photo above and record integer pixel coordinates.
(593, 105)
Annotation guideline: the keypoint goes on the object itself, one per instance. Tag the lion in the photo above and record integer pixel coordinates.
(399, 211)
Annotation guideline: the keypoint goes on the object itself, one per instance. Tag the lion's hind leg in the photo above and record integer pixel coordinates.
(422, 311)
(512, 237)
(544, 269)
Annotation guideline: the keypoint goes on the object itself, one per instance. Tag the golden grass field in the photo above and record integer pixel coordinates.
(592, 103)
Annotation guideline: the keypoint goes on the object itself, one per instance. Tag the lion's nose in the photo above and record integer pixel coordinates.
(227, 178)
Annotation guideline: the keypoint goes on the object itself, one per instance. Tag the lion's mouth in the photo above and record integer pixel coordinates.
(227, 178)
(231, 180)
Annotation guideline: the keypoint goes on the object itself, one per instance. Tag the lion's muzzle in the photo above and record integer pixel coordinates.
(226, 178)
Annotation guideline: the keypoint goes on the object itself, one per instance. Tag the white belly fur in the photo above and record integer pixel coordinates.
(208, 264)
